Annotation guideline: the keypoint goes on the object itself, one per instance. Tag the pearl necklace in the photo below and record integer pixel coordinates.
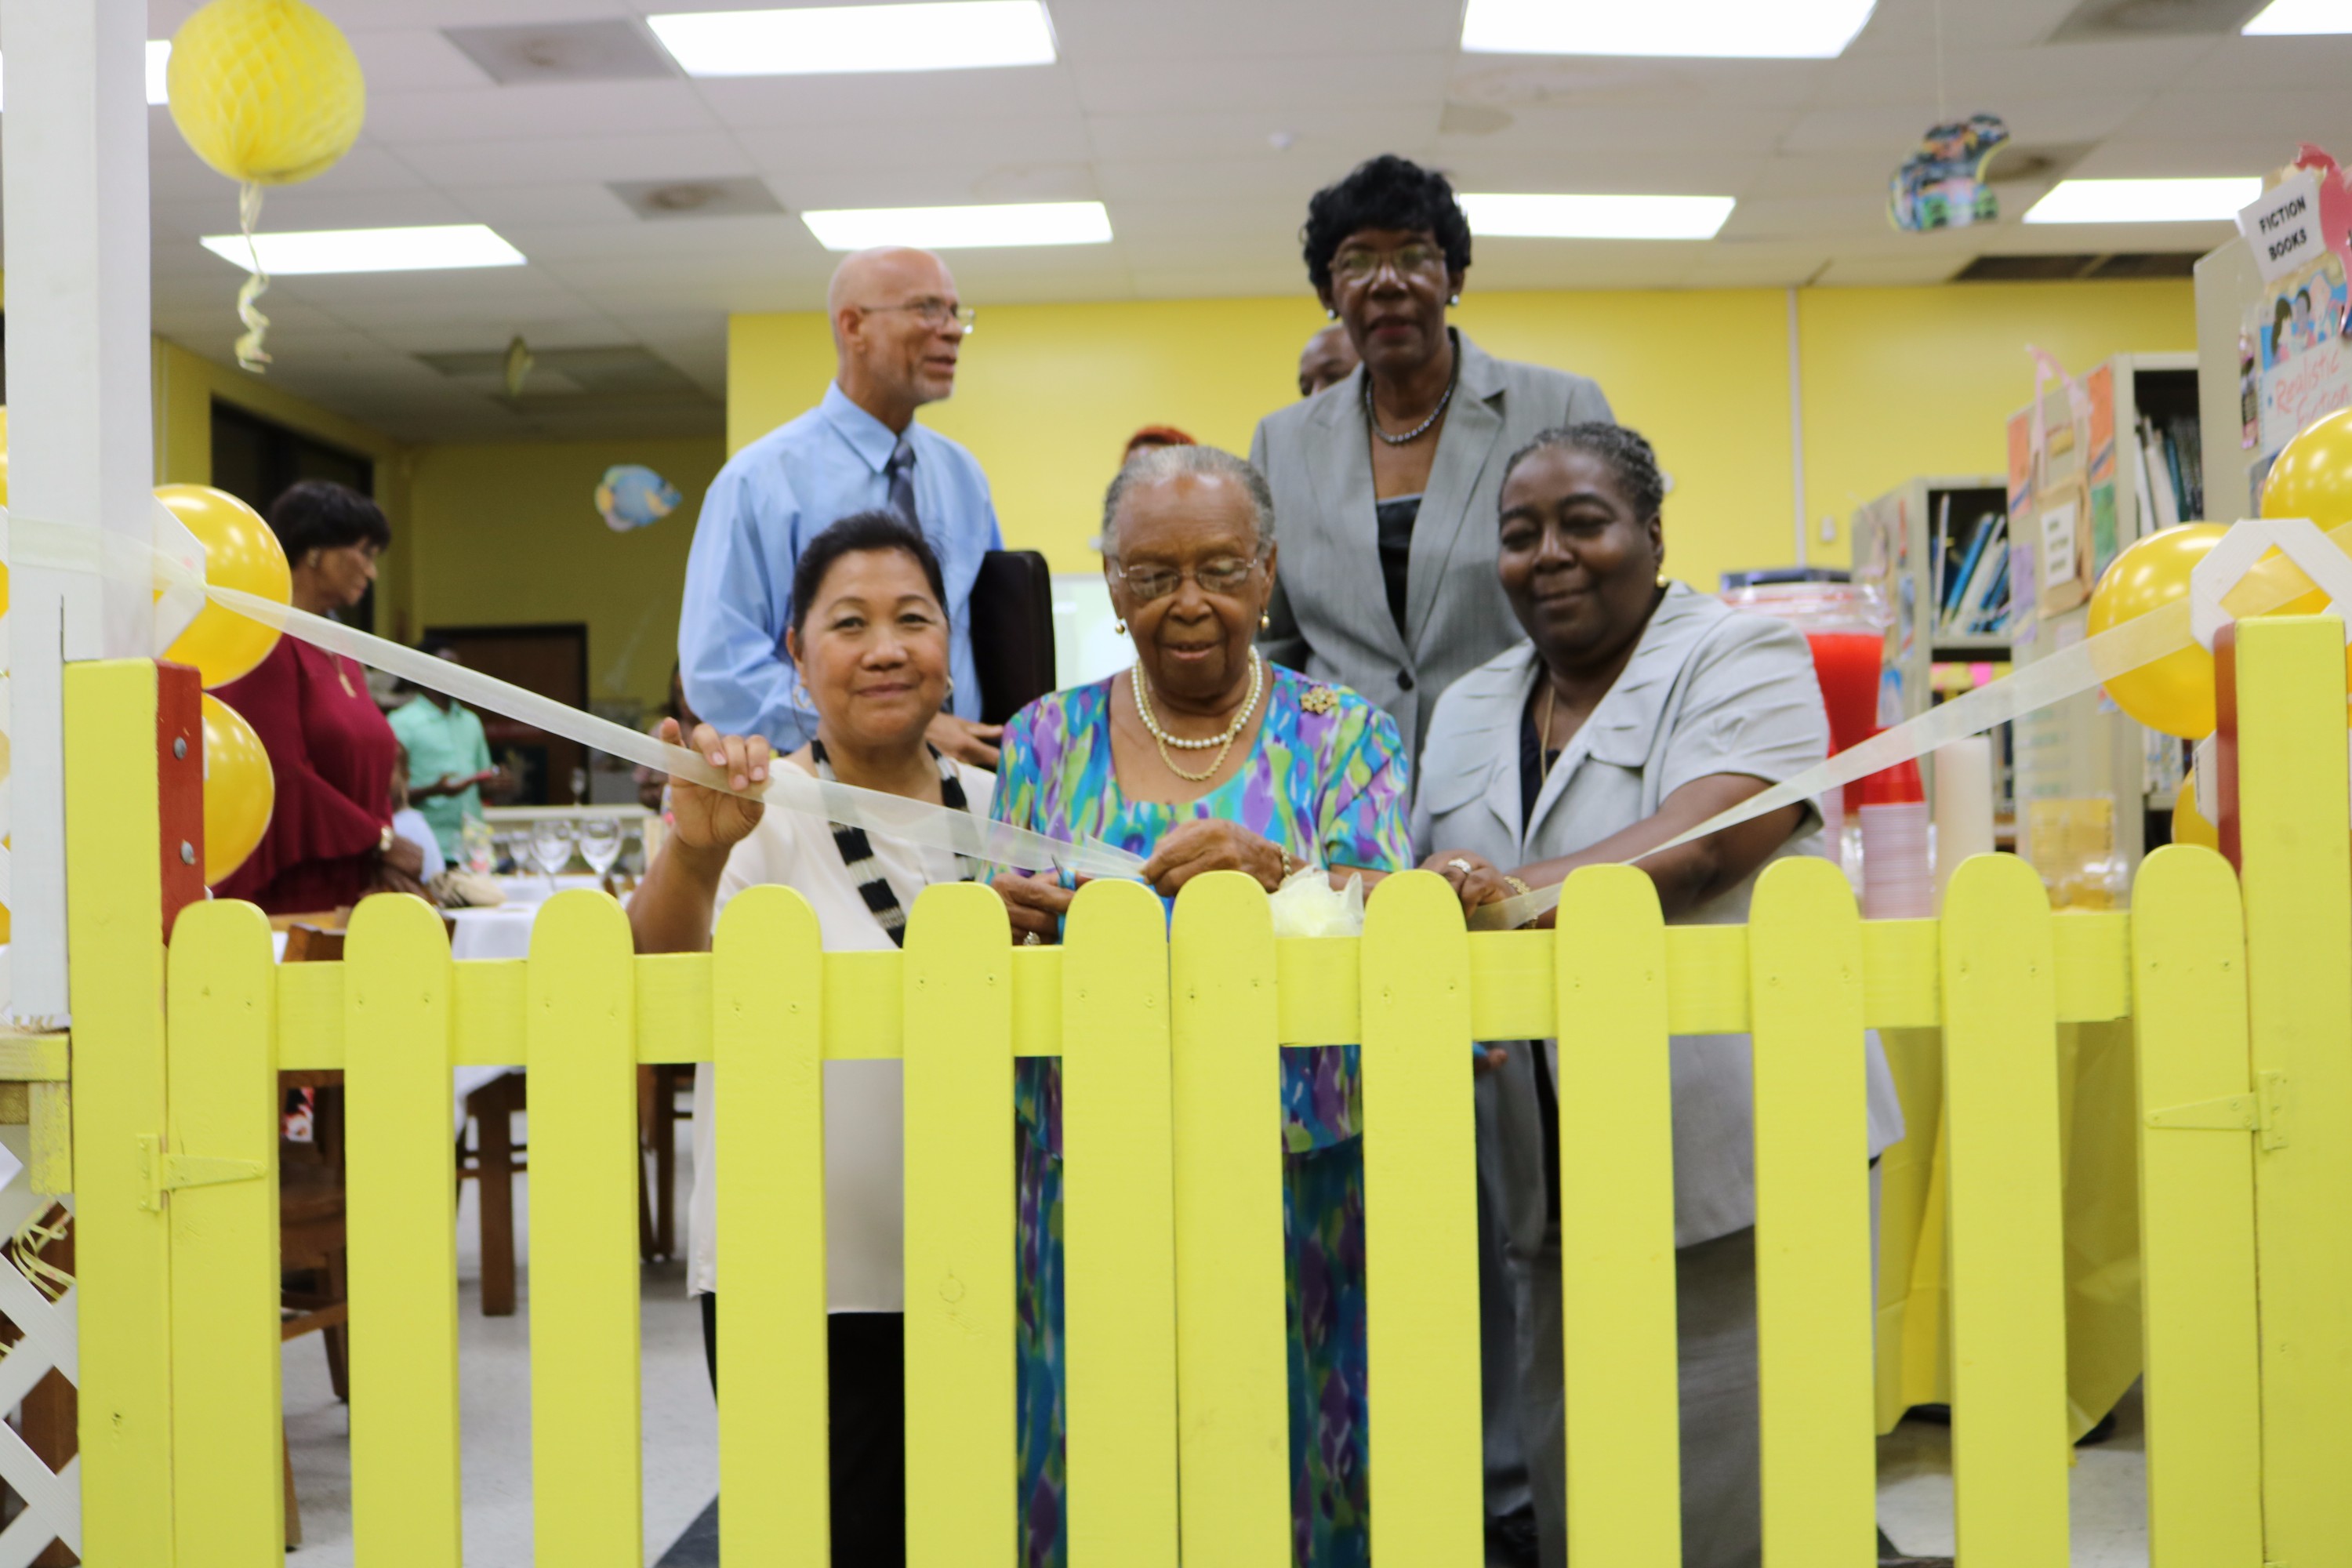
(1222, 743)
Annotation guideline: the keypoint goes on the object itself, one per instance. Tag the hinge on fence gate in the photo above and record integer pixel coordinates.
(2263, 1111)
(162, 1172)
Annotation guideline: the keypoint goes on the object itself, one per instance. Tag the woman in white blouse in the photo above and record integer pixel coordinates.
(1633, 710)
(870, 639)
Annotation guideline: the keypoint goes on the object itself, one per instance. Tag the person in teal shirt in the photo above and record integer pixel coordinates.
(448, 758)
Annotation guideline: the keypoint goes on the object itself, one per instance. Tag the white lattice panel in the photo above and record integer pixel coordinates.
(51, 1341)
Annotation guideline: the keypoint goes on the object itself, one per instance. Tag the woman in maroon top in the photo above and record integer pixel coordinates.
(330, 842)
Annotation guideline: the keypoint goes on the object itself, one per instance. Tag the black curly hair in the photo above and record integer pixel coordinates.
(858, 532)
(1386, 192)
(1628, 455)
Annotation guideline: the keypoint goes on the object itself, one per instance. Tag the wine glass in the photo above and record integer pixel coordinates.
(551, 847)
(600, 843)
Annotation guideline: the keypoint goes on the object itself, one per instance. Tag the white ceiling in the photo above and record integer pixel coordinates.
(1204, 126)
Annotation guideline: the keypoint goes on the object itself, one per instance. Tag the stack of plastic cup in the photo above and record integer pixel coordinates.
(1898, 869)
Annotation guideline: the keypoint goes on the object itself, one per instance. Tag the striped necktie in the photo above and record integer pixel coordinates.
(900, 473)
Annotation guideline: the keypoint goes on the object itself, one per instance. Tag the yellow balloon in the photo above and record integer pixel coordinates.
(266, 90)
(240, 788)
(2313, 475)
(2175, 694)
(2189, 824)
(239, 552)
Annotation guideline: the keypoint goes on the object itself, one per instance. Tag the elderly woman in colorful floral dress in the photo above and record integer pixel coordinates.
(1204, 758)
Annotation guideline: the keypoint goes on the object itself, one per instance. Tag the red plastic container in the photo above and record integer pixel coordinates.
(1845, 623)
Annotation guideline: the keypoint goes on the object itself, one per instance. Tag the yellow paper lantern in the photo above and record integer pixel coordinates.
(241, 552)
(240, 789)
(267, 91)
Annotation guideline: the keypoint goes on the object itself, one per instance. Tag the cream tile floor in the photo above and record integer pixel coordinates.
(2106, 1497)
(680, 1423)
(2108, 1492)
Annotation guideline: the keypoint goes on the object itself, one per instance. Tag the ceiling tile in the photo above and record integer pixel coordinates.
(523, 161)
(411, 58)
(552, 202)
(844, 147)
(971, 96)
(1153, 82)
(538, 109)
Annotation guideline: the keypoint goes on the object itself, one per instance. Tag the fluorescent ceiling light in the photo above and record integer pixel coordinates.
(2146, 201)
(2300, 17)
(1744, 29)
(1597, 217)
(159, 61)
(953, 228)
(934, 35)
(370, 249)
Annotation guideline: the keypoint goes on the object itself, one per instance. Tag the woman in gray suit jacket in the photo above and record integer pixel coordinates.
(1630, 710)
(1385, 484)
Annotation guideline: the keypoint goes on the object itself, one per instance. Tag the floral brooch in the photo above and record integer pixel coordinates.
(1318, 699)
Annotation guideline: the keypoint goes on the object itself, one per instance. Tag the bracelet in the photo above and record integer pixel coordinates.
(384, 843)
(1517, 886)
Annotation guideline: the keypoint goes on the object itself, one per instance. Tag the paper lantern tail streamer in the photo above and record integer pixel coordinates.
(33, 541)
(250, 354)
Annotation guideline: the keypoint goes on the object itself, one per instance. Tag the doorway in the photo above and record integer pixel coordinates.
(551, 660)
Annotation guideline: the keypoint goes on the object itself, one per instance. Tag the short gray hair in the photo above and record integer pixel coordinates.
(1155, 464)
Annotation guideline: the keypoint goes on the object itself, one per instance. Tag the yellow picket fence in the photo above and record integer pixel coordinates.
(1168, 1033)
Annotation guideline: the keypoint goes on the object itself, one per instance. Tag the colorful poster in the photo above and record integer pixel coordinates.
(2302, 387)
(2303, 310)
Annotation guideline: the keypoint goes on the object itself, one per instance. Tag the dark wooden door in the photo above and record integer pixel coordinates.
(551, 660)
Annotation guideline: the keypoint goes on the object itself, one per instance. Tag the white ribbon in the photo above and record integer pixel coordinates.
(35, 542)
(2061, 675)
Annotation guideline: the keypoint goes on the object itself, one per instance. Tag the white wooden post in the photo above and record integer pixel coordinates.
(73, 177)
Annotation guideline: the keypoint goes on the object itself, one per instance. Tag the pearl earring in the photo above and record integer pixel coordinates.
(1662, 577)
(1453, 298)
(1119, 626)
(1264, 622)
(1330, 315)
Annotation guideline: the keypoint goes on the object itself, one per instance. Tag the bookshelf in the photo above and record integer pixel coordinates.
(2137, 464)
(1930, 549)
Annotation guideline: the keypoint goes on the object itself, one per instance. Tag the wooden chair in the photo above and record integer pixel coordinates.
(492, 1160)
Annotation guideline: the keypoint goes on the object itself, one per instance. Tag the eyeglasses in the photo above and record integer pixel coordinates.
(1224, 575)
(936, 314)
(1363, 266)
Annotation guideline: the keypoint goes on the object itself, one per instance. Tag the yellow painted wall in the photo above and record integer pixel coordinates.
(185, 387)
(1897, 382)
(509, 534)
(1900, 381)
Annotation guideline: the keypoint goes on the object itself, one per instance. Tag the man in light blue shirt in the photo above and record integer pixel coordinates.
(897, 329)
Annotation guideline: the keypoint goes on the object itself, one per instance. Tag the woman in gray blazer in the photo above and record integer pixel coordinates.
(1631, 710)
(1385, 484)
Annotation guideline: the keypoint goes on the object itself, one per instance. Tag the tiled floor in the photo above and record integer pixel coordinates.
(680, 1423)
(2107, 1500)
(2108, 1495)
